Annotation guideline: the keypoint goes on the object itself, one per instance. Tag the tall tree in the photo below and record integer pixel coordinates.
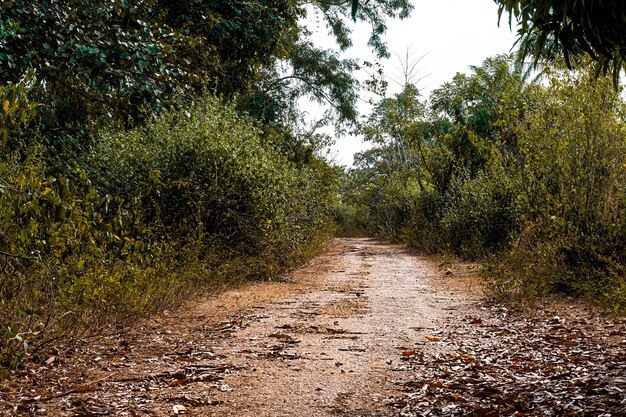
(95, 58)
(115, 59)
(337, 14)
(319, 73)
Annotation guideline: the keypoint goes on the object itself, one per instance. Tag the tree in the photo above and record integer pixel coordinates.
(474, 116)
(480, 101)
(437, 176)
(312, 72)
(94, 59)
(594, 27)
(338, 13)
(125, 59)
(320, 74)
(396, 123)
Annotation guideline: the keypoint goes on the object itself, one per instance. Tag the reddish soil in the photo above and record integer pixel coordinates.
(346, 335)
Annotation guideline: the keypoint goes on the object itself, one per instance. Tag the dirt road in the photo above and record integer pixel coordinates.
(342, 336)
(325, 342)
(333, 349)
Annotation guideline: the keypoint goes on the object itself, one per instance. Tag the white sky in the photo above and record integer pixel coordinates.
(453, 34)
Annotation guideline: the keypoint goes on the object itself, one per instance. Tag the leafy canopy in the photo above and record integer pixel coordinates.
(570, 27)
(94, 58)
(121, 60)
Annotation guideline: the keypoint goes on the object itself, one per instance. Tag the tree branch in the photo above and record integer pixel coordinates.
(311, 85)
(12, 255)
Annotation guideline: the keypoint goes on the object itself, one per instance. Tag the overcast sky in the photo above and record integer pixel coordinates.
(452, 34)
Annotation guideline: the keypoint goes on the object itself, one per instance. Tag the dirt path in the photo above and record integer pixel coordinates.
(326, 342)
(333, 349)
(346, 335)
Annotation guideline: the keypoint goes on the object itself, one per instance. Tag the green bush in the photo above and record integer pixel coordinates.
(480, 215)
(422, 230)
(351, 220)
(572, 196)
(62, 244)
(475, 217)
(192, 201)
(528, 178)
(388, 207)
(206, 171)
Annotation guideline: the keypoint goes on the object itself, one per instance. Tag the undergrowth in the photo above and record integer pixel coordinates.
(195, 200)
(527, 178)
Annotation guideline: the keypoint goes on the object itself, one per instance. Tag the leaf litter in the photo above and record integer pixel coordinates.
(558, 363)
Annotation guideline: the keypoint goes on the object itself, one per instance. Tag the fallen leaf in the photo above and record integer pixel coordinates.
(461, 387)
(335, 331)
(178, 382)
(486, 392)
(456, 397)
(281, 336)
(185, 359)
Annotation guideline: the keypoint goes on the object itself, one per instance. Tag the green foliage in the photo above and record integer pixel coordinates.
(56, 232)
(480, 215)
(595, 28)
(98, 62)
(572, 195)
(437, 178)
(191, 200)
(339, 14)
(97, 59)
(527, 177)
(350, 220)
(17, 110)
(213, 173)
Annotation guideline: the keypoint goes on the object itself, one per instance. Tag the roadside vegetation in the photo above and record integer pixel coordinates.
(526, 175)
(147, 218)
(153, 151)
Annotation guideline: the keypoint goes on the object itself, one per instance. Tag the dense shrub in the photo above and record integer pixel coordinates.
(191, 201)
(477, 216)
(206, 170)
(66, 252)
(351, 220)
(481, 215)
(528, 178)
(389, 206)
(572, 195)
(422, 228)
